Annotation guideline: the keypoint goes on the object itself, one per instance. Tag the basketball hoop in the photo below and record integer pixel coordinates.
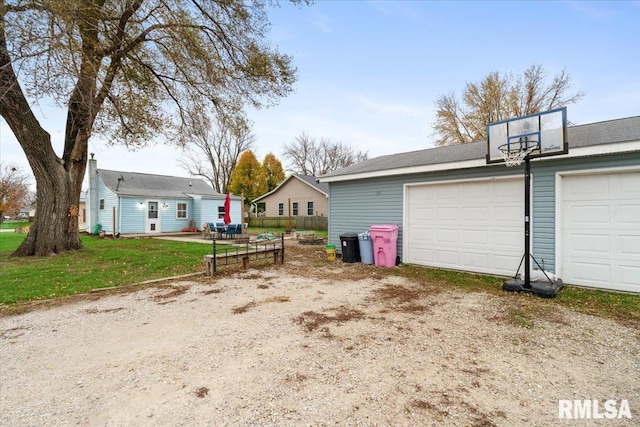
(514, 153)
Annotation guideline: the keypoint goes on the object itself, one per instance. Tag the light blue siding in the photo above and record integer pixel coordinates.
(210, 209)
(132, 214)
(169, 221)
(197, 212)
(105, 215)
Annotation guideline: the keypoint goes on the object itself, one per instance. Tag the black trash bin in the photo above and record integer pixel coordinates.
(350, 247)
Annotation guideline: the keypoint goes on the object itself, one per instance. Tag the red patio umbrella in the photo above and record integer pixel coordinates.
(227, 210)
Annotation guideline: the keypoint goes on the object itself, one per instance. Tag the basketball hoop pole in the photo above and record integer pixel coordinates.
(518, 140)
(527, 223)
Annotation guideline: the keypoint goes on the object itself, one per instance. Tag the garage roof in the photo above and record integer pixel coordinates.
(592, 134)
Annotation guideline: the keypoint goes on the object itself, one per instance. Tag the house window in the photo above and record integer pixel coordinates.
(220, 212)
(181, 210)
(295, 208)
(310, 208)
(281, 209)
(101, 204)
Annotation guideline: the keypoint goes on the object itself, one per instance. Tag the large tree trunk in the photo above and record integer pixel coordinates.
(55, 228)
(58, 180)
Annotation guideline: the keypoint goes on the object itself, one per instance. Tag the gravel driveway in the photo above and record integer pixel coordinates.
(292, 345)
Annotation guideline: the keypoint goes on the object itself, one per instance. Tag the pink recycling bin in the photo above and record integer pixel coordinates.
(384, 239)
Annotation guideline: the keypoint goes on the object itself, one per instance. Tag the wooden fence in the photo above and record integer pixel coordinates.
(295, 222)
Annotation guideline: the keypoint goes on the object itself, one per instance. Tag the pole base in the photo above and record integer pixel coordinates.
(543, 289)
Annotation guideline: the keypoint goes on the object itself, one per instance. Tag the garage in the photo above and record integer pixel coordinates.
(599, 223)
(474, 225)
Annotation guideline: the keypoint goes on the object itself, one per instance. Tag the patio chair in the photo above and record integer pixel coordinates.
(233, 229)
(206, 231)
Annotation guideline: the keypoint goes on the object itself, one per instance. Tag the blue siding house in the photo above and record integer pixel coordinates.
(455, 211)
(136, 203)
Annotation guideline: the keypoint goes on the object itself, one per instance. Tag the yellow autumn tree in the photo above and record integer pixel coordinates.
(248, 177)
(273, 171)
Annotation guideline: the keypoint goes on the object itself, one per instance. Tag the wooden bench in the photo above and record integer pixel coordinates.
(244, 253)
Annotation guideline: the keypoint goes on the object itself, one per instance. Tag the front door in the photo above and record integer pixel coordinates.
(152, 218)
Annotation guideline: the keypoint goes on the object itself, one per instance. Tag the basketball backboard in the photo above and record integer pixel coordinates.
(544, 133)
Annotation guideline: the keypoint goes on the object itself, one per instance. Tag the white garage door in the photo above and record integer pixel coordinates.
(600, 230)
(472, 226)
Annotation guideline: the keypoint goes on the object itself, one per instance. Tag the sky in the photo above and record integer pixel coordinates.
(370, 72)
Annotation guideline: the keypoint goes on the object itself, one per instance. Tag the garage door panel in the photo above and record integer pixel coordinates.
(508, 239)
(442, 194)
(448, 214)
(600, 230)
(447, 235)
(447, 258)
(475, 192)
(475, 260)
(629, 277)
(475, 237)
(509, 215)
(505, 263)
(423, 235)
(475, 213)
(591, 272)
(477, 226)
(629, 214)
(589, 244)
(589, 214)
(588, 186)
(422, 255)
(628, 185)
(630, 245)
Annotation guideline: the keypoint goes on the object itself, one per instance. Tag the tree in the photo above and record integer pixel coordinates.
(497, 98)
(315, 158)
(213, 153)
(248, 177)
(14, 190)
(273, 171)
(127, 70)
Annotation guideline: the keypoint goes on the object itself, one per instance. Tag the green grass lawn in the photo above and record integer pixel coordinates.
(102, 263)
(12, 224)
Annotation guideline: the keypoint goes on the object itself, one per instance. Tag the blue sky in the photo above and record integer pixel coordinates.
(370, 72)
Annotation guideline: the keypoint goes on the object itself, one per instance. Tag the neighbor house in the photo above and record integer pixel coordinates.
(455, 211)
(136, 203)
(297, 195)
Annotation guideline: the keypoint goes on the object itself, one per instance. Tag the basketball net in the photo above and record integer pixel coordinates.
(514, 157)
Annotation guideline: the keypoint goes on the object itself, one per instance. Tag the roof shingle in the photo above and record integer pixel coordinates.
(147, 185)
(607, 132)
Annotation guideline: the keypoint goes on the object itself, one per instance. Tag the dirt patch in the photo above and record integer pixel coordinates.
(311, 320)
(321, 344)
(201, 392)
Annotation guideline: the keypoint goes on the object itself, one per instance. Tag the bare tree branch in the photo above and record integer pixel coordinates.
(499, 97)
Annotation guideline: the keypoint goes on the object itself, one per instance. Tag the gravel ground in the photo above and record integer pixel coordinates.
(337, 344)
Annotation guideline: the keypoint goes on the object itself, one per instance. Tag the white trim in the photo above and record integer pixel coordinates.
(611, 148)
(148, 221)
(558, 202)
(592, 150)
(186, 210)
(409, 170)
